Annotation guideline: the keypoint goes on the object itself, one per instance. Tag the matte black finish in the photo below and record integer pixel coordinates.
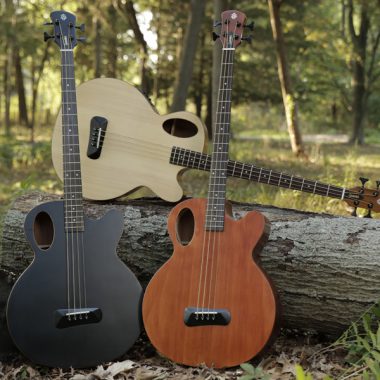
(41, 291)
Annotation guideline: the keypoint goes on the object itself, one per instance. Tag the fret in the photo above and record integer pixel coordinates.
(328, 189)
(269, 176)
(315, 186)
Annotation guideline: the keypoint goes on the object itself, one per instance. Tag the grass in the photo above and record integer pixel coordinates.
(24, 166)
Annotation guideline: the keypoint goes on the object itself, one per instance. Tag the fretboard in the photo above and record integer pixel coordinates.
(72, 180)
(195, 160)
(218, 172)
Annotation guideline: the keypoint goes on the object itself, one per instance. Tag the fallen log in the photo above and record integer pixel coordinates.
(325, 268)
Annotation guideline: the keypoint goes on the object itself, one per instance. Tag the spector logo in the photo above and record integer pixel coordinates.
(63, 17)
(233, 16)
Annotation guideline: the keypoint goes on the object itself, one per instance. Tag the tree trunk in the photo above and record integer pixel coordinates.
(112, 43)
(22, 108)
(98, 48)
(325, 268)
(288, 98)
(219, 7)
(36, 77)
(8, 88)
(359, 45)
(188, 54)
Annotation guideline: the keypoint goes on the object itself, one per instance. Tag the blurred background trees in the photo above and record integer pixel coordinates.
(165, 47)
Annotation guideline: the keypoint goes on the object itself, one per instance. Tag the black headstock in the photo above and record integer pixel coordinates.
(64, 33)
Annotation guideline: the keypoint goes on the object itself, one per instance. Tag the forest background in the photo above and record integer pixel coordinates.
(312, 69)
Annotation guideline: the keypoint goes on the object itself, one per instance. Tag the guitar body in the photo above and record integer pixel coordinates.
(41, 291)
(235, 283)
(136, 134)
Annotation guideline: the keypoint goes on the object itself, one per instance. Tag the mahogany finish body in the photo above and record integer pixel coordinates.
(241, 287)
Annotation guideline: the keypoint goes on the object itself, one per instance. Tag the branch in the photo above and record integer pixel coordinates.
(351, 22)
(129, 10)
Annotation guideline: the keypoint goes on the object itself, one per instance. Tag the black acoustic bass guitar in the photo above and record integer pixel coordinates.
(77, 304)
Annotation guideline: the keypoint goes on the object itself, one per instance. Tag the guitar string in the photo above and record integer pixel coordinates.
(214, 184)
(79, 212)
(206, 232)
(274, 179)
(273, 176)
(215, 212)
(212, 193)
(225, 140)
(79, 217)
(66, 179)
(226, 116)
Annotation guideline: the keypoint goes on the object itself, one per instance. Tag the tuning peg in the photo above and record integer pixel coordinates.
(249, 26)
(247, 38)
(369, 214)
(363, 181)
(377, 184)
(81, 39)
(48, 23)
(354, 212)
(47, 36)
(81, 27)
(215, 36)
(217, 23)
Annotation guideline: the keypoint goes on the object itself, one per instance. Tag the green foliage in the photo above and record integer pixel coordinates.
(253, 373)
(362, 341)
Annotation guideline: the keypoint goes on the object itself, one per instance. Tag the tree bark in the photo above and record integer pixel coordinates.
(325, 268)
(288, 97)
(98, 48)
(188, 54)
(359, 47)
(36, 77)
(22, 108)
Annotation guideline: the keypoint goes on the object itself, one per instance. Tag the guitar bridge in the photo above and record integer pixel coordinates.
(98, 129)
(73, 317)
(195, 316)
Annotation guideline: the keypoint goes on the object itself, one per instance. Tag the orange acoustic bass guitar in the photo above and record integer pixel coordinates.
(211, 302)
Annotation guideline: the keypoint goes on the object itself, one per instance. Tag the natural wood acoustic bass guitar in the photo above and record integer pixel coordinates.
(125, 144)
(211, 302)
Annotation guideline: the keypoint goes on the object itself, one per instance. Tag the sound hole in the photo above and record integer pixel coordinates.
(180, 128)
(185, 226)
(43, 230)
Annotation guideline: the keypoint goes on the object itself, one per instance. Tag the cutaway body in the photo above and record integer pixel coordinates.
(211, 302)
(134, 149)
(102, 319)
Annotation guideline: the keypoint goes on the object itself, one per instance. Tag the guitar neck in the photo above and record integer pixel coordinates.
(218, 173)
(73, 198)
(195, 160)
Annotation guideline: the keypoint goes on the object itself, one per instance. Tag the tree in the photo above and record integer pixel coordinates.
(288, 97)
(188, 53)
(362, 76)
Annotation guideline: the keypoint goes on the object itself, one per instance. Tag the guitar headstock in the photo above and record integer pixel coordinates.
(64, 33)
(232, 29)
(360, 197)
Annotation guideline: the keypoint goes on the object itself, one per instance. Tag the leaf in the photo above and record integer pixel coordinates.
(247, 377)
(249, 368)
